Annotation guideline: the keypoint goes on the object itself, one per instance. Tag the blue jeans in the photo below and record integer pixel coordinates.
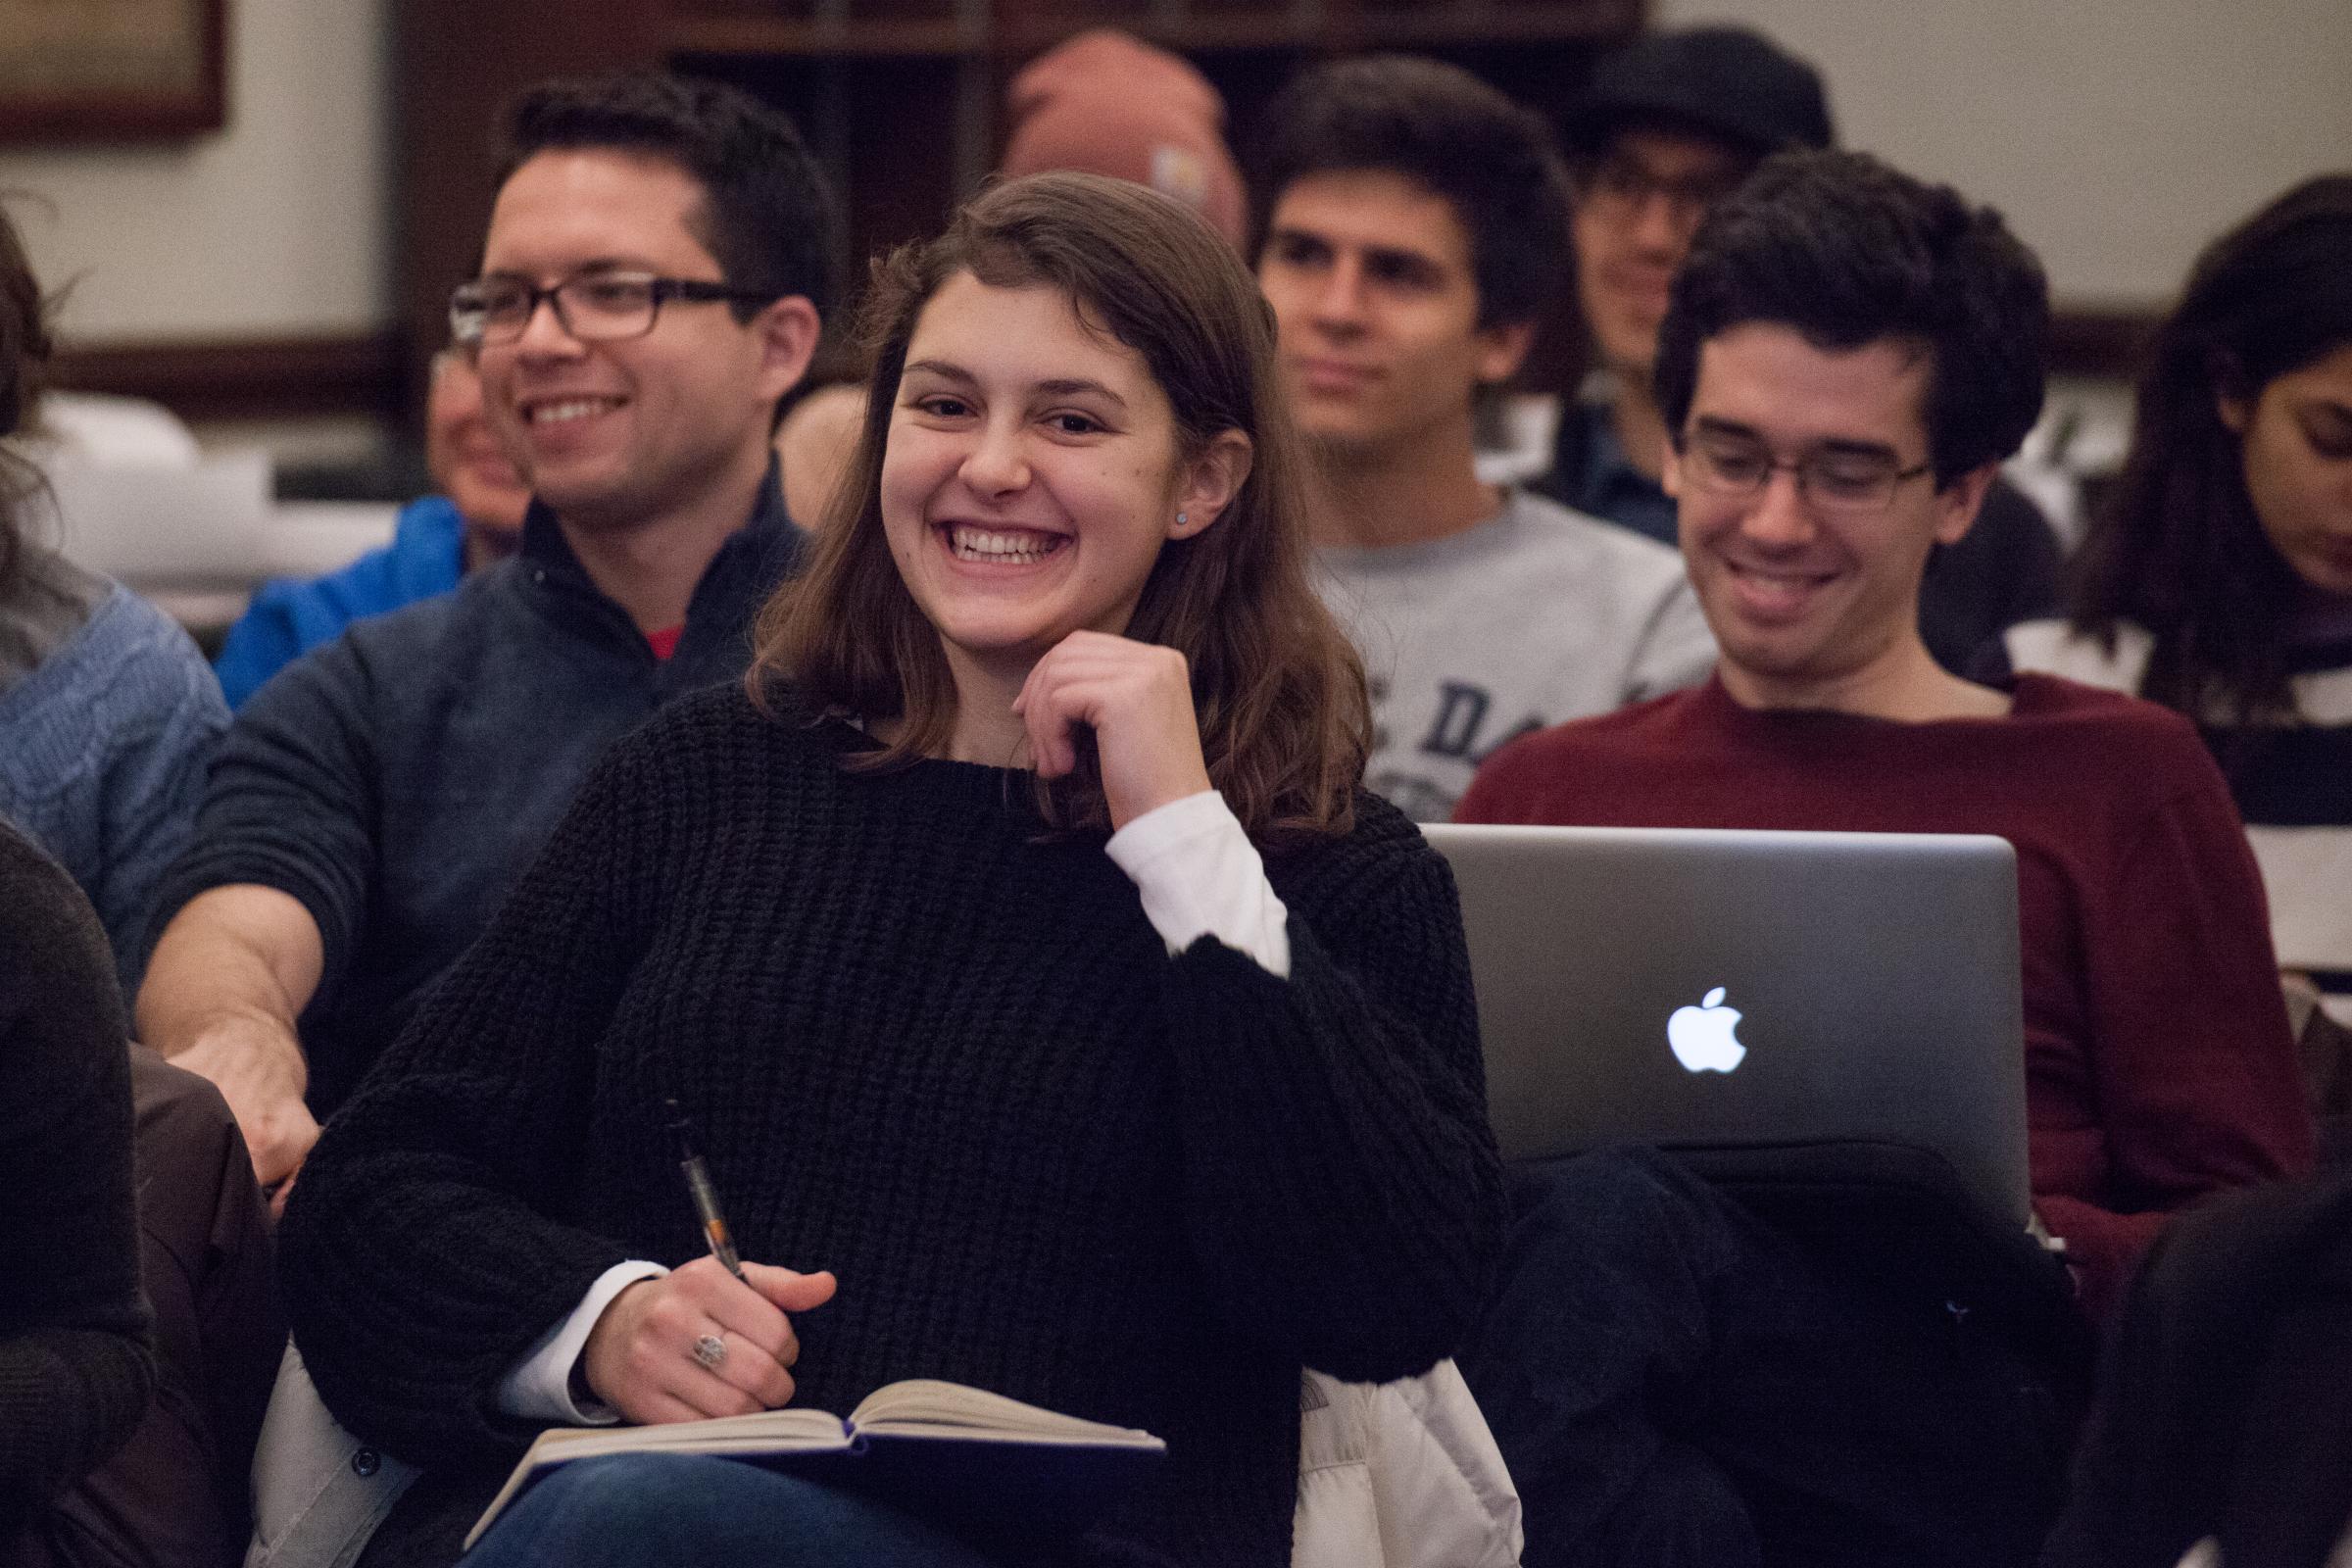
(674, 1511)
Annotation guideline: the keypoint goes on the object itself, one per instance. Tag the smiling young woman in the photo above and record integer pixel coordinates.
(1021, 944)
(1164, 317)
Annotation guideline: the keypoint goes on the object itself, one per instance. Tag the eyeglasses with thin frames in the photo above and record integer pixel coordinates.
(594, 306)
(1853, 485)
(1616, 188)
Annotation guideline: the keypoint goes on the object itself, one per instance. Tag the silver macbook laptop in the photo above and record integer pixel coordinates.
(1699, 988)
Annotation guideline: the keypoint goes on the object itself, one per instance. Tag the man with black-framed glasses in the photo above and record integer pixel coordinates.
(602, 306)
(650, 284)
(1847, 357)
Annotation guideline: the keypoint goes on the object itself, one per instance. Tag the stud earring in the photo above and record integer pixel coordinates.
(1180, 520)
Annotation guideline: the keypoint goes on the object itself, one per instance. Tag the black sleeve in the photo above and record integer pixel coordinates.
(1570, 446)
(2225, 1404)
(1344, 1191)
(293, 799)
(75, 1368)
(416, 1258)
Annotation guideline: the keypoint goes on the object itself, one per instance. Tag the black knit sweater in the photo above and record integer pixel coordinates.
(952, 1061)
(75, 1363)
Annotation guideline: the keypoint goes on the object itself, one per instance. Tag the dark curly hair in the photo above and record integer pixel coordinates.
(1846, 251)
(1492, 159)
(769, 217)
(2178, 550)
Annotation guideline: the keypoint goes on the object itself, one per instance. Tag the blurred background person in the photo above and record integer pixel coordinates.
(813, 443)
(1415, 226)
(475, 519)
(2219, 582)
(1104, 103)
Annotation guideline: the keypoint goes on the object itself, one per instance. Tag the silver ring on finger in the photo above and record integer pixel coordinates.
(711, 1351)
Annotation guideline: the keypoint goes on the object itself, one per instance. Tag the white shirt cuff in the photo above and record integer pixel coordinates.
(539, 1387)
(1200, 875)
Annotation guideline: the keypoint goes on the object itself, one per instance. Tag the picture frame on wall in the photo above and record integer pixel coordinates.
(112, 71)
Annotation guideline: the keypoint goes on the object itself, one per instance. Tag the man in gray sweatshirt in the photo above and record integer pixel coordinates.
(1412, 228)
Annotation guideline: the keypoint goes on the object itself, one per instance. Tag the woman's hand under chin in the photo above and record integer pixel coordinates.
(1137, 698)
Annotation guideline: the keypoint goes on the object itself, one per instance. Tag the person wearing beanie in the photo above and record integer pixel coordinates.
(1668, 124)
(1104, 103)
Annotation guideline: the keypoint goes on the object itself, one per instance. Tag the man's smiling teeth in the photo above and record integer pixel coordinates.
(1019, 549)
(570, 408)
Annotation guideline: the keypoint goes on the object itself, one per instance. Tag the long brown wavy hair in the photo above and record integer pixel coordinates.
(1278, 691)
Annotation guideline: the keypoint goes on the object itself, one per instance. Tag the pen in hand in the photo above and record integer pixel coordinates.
(706, 1197)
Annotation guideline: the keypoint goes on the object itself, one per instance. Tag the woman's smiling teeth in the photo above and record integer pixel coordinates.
(1012, 547)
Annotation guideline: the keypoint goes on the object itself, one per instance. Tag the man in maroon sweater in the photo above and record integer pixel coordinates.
(1847, 357)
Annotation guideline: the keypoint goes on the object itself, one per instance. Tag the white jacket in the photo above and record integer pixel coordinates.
(1401, 1475)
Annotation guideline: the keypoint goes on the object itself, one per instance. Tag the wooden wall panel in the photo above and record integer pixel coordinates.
(456, 62)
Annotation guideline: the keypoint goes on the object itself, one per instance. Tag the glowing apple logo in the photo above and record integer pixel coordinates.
(1702, 1037)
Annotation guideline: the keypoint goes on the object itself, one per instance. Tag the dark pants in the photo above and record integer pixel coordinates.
(685, 1510)
(176, 1496)
(1674, 1382)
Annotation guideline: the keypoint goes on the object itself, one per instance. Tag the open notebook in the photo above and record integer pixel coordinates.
(961, 1450)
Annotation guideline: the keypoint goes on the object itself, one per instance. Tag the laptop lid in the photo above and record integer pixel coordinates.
(1711, 988)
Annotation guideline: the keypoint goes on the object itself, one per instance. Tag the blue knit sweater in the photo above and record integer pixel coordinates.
(104, 742)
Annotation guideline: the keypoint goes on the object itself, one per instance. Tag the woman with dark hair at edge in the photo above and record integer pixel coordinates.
(2219, 581)
(1021, 944)
(107, 713)
(2221, 584)
(122, 1171)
